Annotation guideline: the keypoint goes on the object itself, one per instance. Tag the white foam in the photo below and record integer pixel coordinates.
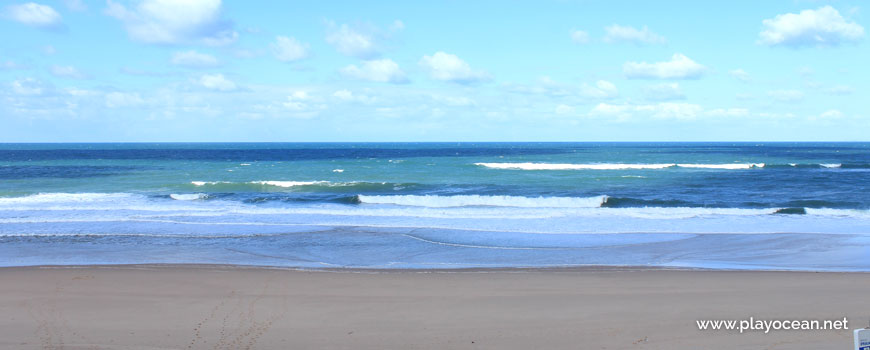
(288, 183)
(337, 170)
(614, 166)
(245, 164)
(478, 200)
(846, 213)
(66, 197)
(723, 166)
(188, 196)
(831, 165)
(563, 166)
(203, 183)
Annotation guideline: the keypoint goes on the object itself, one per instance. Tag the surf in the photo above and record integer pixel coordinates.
(434, 201)
(616, 166)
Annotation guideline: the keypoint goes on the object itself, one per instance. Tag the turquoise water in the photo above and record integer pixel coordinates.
(433, 205)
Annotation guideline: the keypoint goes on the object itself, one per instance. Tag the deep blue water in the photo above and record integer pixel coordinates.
(420, 205)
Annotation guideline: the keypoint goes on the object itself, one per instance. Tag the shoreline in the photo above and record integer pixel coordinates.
(202, 306)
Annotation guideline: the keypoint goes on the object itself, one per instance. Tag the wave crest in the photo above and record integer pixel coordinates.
(565, 166)
(66, 197)
(615, 166)
(479, 200)
(188, 196)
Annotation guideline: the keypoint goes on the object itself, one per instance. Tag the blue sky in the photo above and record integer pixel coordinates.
(203, 70)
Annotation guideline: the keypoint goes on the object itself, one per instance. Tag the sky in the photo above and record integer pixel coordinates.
(336, 71)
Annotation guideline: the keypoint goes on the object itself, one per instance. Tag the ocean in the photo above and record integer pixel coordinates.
(782, 206)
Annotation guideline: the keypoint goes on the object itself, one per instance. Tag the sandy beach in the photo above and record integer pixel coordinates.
(226, 307)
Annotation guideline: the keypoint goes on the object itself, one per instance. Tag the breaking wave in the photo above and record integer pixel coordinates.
(479, 200)
(653, 166)
(557, 166)
(188, 196)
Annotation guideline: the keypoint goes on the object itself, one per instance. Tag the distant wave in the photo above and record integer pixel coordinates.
(615, 166)
(557, 166)
(723, 166)
(288, 183)
(628, 166)
(283, 183)
(265, 183)
(306, 186)
(203, 183)
(478, 200)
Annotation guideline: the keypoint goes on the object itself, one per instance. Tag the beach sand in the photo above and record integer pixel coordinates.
(225, 307)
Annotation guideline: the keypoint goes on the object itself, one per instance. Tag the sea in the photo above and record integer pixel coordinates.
(738, 206)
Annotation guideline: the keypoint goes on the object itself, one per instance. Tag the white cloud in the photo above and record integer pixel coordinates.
(602, 90)
(303, 104)
(786, 95)
(448, 67)
(382, 70)
(664, 92)
(67, 72)
(579, 37)
(174, 22)
(455, 101)
(823, 26)
(82, 92)
(123, 99)
(769, 115)
(33, 14)
(352, 42)
(288, 49)
(297, 101)
(29, 86)
(610, 109)
(348, 96)
(672, 110)
(728, 112)
(831, 114)
(679, 67)
(740, 74)
(217, 82)
(545, 85)
(662, 110)
(618, 33)
(221, 38)
(193, 59)
(840, 90)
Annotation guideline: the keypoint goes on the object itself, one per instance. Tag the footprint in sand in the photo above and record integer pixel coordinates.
(237, 322)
